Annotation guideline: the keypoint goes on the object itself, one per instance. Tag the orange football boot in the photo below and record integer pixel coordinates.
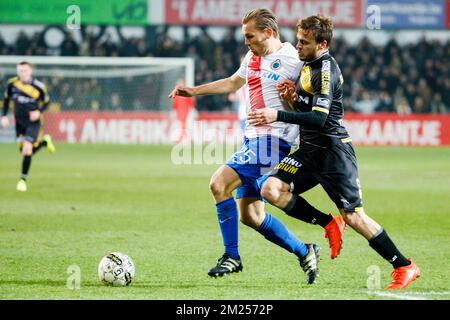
(403, 276)
(334, 232)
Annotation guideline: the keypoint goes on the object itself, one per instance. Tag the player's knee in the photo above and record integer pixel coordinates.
(270, 192)
(216, 187)
(27, 149)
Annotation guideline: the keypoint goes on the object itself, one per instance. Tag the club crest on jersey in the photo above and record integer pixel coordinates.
(276, 64)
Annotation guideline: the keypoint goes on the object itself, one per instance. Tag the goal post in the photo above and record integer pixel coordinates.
(105, 83)
(104, 92)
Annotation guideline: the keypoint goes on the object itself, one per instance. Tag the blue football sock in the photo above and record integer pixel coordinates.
(274, 230)
(227, 215)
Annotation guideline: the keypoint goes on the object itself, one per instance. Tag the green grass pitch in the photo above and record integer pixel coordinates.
(87, 200)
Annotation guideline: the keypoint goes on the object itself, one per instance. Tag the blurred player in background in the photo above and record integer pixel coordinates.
(326, 155)
(239, 100)
(184, 108)
(267, 62)
(30, 100)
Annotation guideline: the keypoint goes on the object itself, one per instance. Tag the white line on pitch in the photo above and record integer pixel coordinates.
(397, 296)
(409, 295)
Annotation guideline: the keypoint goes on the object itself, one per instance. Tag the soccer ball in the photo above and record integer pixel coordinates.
(116, 269)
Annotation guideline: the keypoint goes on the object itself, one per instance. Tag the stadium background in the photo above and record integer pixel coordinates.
(397, 94)
(398, 64)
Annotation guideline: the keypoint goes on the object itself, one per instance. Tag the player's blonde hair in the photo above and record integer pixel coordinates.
(264, 19)
(321, 27)
(25, 63)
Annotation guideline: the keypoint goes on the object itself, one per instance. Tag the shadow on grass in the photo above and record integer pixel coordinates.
(210, 284)
(59, 283)
(44, 282)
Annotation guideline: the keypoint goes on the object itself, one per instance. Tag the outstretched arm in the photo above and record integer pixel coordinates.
(226, 85)
(5, 121)
(286, 89)
(264, 116)
(5, 106)
(314, 118)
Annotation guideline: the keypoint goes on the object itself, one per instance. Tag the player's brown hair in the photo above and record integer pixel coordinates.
(321, 27)
(264, 19)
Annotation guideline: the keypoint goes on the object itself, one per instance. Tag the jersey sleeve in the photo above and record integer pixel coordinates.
(6, 99)
(7, 91)
(323, 89)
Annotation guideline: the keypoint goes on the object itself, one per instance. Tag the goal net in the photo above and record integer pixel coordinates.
(102, 85)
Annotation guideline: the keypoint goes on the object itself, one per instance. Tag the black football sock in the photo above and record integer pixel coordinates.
(384, 246)
(41, 144)
(300, 209)
(25, 166)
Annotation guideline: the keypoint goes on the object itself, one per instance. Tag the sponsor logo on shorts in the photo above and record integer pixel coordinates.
(289, 165)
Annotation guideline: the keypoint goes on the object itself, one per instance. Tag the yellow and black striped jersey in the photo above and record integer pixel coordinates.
(26, 96)
(320, 89)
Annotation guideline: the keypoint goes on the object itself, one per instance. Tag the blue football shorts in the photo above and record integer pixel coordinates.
(256, 157)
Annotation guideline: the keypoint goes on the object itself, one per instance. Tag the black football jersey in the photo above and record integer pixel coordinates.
(320, 89)
(26, 96)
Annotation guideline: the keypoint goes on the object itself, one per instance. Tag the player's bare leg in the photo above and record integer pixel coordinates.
(27, 153)
(279, 194)
(361, 223)
(223, 182)
(27, 148)
(405, 270)
(252, 214)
